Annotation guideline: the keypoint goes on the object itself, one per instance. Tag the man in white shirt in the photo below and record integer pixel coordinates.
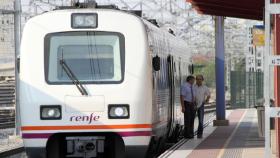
(202, 96)
(188, 106)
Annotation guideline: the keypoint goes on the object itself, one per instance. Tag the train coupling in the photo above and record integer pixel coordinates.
(84, 146)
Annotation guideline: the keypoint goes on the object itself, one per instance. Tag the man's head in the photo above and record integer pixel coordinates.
(199, 80)
(190, 79)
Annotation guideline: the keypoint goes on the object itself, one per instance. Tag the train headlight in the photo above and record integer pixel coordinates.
(118, 111)
(84, 20)
(50, 112)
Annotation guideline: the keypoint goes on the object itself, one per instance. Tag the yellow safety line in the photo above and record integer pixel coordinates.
(222, 151)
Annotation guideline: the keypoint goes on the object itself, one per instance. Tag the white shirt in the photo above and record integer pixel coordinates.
(186, 91)
(201, 93)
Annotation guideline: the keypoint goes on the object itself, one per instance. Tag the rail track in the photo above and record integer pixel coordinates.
(7, 103)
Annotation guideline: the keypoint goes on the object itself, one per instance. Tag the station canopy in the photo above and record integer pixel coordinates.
(247, 9)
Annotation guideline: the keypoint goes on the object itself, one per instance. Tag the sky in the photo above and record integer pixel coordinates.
(186, 24)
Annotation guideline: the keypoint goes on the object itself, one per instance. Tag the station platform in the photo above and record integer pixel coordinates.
(238, 140)
(9, 143)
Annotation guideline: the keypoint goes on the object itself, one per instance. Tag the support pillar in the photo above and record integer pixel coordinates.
(17, 36)
(277, 77)
(220, 73)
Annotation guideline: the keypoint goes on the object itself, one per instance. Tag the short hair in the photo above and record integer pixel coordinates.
(200, 76)
(190, 77)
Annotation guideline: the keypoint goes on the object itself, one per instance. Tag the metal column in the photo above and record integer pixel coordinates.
(270, 61)
(220, 75)
(17, 36)
(276, 37)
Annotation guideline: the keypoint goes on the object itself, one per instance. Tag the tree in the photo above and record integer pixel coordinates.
(207, 70)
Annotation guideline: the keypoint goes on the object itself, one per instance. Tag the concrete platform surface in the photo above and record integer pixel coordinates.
(238, 140)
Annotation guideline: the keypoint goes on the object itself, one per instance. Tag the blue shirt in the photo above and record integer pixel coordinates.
(186, 92)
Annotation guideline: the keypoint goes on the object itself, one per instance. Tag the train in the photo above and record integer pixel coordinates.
(99, 82)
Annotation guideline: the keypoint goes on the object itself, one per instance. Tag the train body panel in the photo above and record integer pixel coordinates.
(113, 63)
(175, 62)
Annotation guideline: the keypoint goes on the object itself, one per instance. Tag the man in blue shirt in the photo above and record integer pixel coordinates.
(188, 106)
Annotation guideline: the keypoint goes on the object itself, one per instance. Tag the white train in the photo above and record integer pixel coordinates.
(99, 83)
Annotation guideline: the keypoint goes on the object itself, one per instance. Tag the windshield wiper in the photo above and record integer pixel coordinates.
(74, 79)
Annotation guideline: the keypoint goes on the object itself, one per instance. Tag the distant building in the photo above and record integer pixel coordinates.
(6, 40)
(203, 58)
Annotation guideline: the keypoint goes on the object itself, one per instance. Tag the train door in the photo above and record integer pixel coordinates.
(161, 98)
(171, 109)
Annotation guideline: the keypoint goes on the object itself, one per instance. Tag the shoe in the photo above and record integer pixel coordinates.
(199, 136)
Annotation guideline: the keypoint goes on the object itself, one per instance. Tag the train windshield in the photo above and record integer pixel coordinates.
(92, 56)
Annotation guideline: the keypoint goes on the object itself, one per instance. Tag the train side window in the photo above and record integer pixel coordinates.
(156, 63)
(191, 68)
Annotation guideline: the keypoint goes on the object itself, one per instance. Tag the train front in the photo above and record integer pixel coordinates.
(84, 85)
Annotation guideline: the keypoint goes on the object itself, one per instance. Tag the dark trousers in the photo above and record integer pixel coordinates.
(200, 115)
(189, 116)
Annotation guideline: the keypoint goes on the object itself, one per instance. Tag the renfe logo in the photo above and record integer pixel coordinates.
(88, 119)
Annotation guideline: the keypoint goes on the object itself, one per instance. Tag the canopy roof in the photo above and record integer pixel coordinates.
(247, 9)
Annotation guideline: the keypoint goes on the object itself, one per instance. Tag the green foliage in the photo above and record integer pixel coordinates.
(207, 69)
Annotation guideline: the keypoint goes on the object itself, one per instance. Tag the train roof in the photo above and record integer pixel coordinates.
(150, 26)
(111, 8)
